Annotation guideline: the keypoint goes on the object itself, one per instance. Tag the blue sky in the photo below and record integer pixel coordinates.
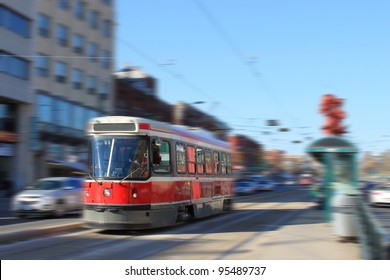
(254, 60)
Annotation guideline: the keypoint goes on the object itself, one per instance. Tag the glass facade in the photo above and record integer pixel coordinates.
(8, 113)
(60, 112)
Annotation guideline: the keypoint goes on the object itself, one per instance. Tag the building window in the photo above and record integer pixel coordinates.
(106, 28)
(92, 52)
(43, 25)
(105, 59)
(42, 65)
(78, 43)
(93, 19)
(14, 66)
(91, 84)
(77, 79)
(104, 90)
(62, 35)
(63, 4)
(60, 72)
(106, 2)
(79, 9)
(14, 22)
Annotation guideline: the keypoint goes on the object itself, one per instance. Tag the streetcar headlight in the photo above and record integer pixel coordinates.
(134, 194)
(107, 192)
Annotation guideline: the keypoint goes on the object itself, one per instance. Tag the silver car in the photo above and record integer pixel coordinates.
(50, 196)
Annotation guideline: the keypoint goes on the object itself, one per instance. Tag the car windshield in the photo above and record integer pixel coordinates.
(118, 157)
(47, 185)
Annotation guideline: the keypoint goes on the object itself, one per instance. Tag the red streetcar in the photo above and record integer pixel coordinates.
(148, 174)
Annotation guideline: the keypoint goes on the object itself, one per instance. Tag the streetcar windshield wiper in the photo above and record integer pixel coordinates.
(100, 183)
(130, 174)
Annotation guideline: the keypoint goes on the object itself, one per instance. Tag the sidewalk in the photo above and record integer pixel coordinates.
(306, 237)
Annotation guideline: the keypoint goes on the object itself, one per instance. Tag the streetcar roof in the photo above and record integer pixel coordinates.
(111, 125)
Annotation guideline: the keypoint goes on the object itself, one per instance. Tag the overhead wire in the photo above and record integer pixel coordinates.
(173, 73)
(250, 65)
(231, 42)
(166, 69)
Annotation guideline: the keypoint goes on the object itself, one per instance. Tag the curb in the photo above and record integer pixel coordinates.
(31, 233)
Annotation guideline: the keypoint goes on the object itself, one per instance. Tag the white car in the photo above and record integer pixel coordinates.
(50, 196)
(380, 195)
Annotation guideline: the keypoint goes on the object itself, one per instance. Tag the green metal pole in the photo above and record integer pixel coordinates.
(328, 186)
(355, 174)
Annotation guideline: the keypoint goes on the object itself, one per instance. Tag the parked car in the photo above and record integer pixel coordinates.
(244, 187)
(365, 187)
(50, 196)
(380, 195)
(289, 182)
(265, 185)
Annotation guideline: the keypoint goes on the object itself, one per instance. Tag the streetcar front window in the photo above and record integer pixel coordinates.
(118, 157)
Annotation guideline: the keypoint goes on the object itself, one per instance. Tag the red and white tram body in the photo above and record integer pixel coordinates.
(148, 174)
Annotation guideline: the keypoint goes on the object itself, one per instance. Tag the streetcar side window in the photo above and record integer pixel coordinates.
(216, 162)
(161, 156)
(181, 165)
(229, 164)
(223, 163)
(191, 159)
(209, 164)
(200, 160)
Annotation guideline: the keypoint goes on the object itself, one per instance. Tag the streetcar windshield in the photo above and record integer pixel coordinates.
(118, 157)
